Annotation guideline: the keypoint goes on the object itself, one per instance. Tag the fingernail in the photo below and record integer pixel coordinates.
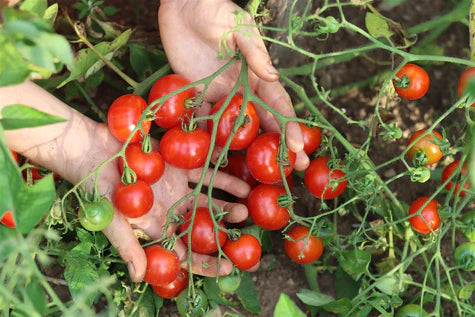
(131, 268)
(271, 69)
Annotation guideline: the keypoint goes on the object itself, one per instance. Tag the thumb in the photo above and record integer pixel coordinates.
(121, 236)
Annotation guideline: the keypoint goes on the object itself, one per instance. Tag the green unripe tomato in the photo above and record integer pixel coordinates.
(465, 255)
(96, 215)
(468, 220)
(229, 283)
(411, 310)
(193, 306)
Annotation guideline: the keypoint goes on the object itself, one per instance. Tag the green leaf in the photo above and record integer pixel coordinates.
(147, 304)
(34, 6)
(145, 61)
(248, 295)
(13, 69)
(467, 291)
(377, 26)
(21, 116)
(158, 301)
(88, 62)
(345, 286)
(471, 169)
(314, 298)
(355, 262)
(50, 14)
(110, 10)
(80, 273)
(339, 306)
(101, 241)
(253, 230)
(84, 235)
(287, 308)
(393, 284)
(213, 292)
(389, 4)
(36, 296)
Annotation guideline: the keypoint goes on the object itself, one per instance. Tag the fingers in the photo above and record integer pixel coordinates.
(121, 236)
(229, 183)
(235, 212)
(202, 264)
(302, 161)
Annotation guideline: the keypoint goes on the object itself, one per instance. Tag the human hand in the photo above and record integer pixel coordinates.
(169, 189)
(190, 31)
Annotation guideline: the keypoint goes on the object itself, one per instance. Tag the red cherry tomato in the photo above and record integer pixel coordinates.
(245, 252)
(123, 116)
(174, 108)
(148, 167)
(317, 179)
(466, 76)
(174, 288)
(303, 249)
(184, 149)
(133, 200)
(448, 171)
(38, 173)
(8, 220)
(15, 156)
(417, 85)
(163, 266)
(245, 134)
(237, 167)
(264, 209)
(427, 145)
(261, 158)
(203, 238)
(430, 214)
(312, 137)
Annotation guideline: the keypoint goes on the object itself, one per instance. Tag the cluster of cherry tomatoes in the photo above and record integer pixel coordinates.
(413, 83)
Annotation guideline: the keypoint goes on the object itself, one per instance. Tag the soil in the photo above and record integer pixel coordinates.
(288, 277)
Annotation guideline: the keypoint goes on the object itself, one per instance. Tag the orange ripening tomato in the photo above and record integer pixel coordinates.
(427, 144)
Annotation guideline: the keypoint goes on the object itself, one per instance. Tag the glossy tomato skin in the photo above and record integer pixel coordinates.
(229, 283)
(163, 266)
(244, 135)
(419, 82)
(237, 167)
(264, 209)
(203, 238)
(148, 167)
(261, 158)
(174, 288)
(411, 310)
(123, 116)
(310, 248)
(169, 114)
(427, 145)
(133, 200)
(430, 214)
(317, 177)
(8, 220)
(186, 150)
(245, 252)
(466, 76)
(199, 304)
(464, 255)
(96, 215)
(448, 171)
(312, 138)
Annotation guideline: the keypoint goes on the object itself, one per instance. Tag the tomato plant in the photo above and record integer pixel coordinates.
(245, 134)
(163, 265)
(468, 220)
(185, 149)
(229, 283)
(412, 83)
(124, 115)
(411, 310)
(464, 255)
(245, 252)
(427, 145)
(237, 167)
(264, 209)
(133, 200)
(318, 178)
(148, 167)
(312, 138)
(429, 213)
(262, 158)
(193, 307)
(8, 220)
(174, 108)
(465, 78)
(96, 215)
(203, 237)
(174, 288)
(303, 248)
(448, 171)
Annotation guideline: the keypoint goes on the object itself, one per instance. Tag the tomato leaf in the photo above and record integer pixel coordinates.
(248, 295)
(314, 298)
(145, 61)
(393, 284)
(34, 6)
(377, 26)
(84, 235)
(287, 308)
(50, 14)
(146, 306)
(355, 262)
(35, 295)
(88, 62)
(345, 286)
(213, 292)
(21, 116)
(467, 291)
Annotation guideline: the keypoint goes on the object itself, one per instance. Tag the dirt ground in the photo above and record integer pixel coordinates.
(287, 277)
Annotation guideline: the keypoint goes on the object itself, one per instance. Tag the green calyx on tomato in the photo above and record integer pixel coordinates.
(96, 215)
(464, 255)
(192, 306)
(468, 228)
